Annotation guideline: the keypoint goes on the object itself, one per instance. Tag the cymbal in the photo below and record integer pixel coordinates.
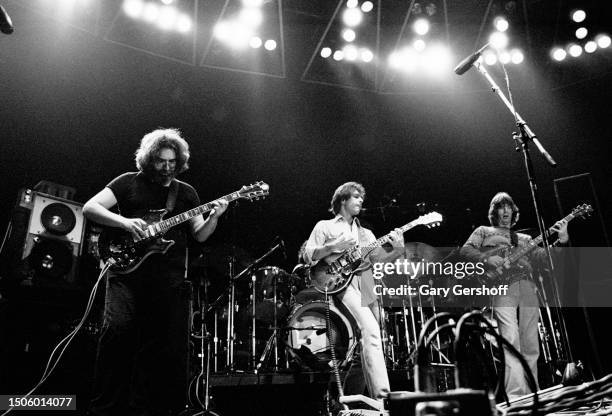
(217, 256)
(530, 230)
(417, 251)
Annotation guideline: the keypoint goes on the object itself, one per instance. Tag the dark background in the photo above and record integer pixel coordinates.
(73, 107)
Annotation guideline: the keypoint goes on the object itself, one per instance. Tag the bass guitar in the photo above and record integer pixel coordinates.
(512, 255)
(119, 248)
(334, 273)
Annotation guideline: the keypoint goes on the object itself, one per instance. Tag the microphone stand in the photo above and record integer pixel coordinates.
(522, 139)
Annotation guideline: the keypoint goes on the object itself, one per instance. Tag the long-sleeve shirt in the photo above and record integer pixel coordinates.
(485, 238)
(328, 230)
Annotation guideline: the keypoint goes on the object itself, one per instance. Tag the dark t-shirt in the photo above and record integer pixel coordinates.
(136, 194)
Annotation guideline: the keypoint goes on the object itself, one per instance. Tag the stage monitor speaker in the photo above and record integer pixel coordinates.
(54, 239)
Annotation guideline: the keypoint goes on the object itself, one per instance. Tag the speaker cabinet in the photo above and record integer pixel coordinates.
(54, 239)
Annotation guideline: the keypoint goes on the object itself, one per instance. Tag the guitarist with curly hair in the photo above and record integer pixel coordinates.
(136, 369)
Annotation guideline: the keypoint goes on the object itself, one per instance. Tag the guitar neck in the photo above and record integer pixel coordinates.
(536, 241)
(386, 238)
(187, 215)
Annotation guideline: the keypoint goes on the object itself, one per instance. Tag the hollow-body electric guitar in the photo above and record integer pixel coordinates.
(512, 255)
(125, 255)
(333, 273)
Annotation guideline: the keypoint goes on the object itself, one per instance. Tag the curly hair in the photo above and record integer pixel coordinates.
(499, 200)
(152, 143)
(344, 192)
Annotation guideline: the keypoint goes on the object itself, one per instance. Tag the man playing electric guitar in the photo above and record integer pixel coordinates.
(516, 312)
(337, 235)
(137, 369)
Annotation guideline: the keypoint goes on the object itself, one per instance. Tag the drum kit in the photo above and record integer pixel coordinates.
(269, 320)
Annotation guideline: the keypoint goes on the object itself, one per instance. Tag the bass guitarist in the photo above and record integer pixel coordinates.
(516, 312)
(337, 235)
(136, 370)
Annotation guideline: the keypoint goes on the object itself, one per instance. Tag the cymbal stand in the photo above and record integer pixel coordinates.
(273, 340)
(230, 289)
(199, 388)
(216, 340)
(253, 322)
(275, 332)
(229, 361)
(437, 344)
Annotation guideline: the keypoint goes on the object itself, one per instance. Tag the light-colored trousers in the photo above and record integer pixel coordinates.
(517, 321)
(372, 356)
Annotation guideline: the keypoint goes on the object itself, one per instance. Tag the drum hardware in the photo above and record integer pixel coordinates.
(199, 388)
(230, 291)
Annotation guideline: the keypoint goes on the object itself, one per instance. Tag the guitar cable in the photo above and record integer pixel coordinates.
(332, 349)
(63, 344)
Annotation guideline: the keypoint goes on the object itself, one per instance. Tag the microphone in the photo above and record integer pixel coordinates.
(466, 64)
(6, 24)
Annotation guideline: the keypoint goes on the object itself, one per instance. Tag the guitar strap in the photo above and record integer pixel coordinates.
(513, 239)
(170, 203)
(172, 193)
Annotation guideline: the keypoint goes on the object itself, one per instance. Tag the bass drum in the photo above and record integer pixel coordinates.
(307, 335)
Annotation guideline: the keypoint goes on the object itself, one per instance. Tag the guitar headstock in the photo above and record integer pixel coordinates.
(433, 219)
(254, 191)
(582, 211)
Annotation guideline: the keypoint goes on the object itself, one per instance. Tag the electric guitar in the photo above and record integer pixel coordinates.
(334, 273)
(512, 255)
(125, 254)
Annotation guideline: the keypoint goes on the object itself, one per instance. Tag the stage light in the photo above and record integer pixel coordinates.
(349, 35)
(351, 4)
(395, 60)
(251, 17)
(167, 17)
(350, 52)
(490, 58)
(151, 12)
(590, 46)
(133, 8)
(403, 60)
(501, 24)
(270, 44)
(603, 41)
(167, 2)
(222, 31)
(558, 54)
(581, 32)
(183, 24)
(498, 40)
(352, 17)
(575, 50)
(338, 55)
(326, 52)
(578, 16)
(504, 57)
(517, 56)
(367, 6)
(419, 45)
(366, 55)
(252, 3)
(437, 60)
(421, 26)
(255, 42)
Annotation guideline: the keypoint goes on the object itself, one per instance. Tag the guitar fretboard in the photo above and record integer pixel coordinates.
(365, 250)
(536, 241)
(165, 225)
